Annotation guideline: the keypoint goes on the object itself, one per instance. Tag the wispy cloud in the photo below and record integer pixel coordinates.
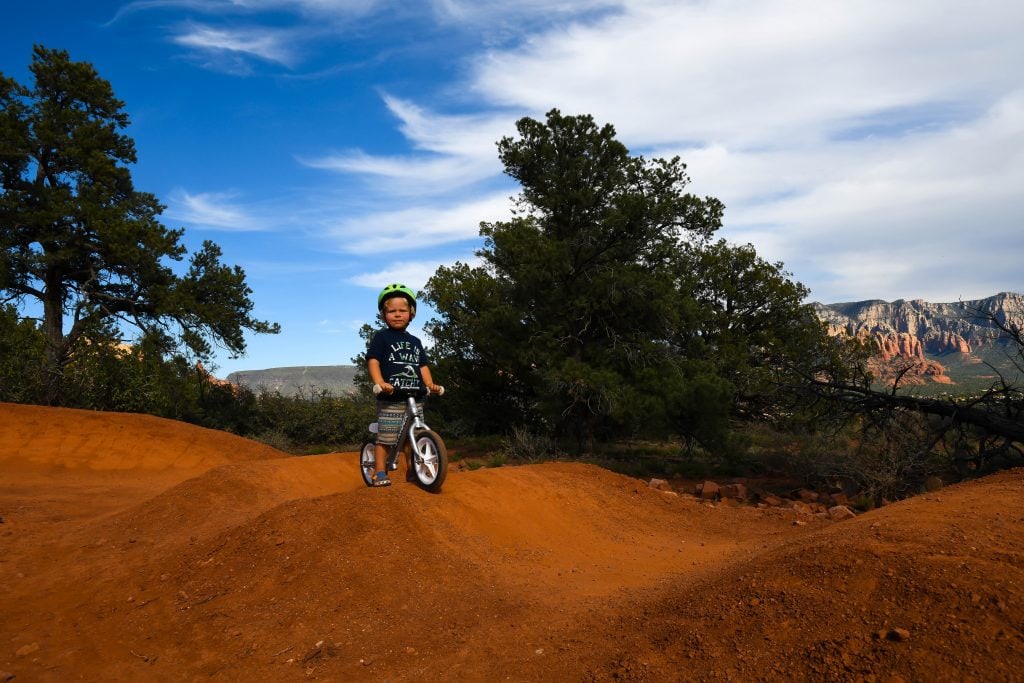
(807, 66)
(213, 210)
(408, 175)
(138, 6)
(452, 151)
(413, 274)
(271, 45)
(829, 130)
(319, 8)
(516, 16)
(394, 233)
(896, 209)
(237, 33)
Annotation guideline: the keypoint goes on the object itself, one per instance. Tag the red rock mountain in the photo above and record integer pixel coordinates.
(922, 333)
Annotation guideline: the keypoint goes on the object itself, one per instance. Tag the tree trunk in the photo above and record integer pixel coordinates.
(992, 412)
(53, 328)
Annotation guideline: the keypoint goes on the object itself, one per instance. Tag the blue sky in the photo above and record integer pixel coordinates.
(333, 146)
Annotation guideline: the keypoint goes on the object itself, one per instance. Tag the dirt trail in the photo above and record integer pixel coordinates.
(142, 549)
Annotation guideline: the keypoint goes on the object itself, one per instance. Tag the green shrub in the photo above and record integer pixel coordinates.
(524, 445)
(22, 349)
(863, 503)
(884, 461)
(274, 438)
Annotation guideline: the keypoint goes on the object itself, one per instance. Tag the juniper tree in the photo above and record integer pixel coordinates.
(81, 244)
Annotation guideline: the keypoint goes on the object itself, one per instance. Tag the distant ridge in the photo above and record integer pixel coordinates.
(949, 343)
(304, 380)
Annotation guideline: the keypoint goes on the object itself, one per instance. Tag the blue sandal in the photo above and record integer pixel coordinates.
(381, 479)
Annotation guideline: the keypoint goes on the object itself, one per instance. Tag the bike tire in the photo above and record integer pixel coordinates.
(367, 462)
(430, 460)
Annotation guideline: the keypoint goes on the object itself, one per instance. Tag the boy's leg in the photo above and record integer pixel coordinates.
(380, 456)
(389, 420)
(407, 451)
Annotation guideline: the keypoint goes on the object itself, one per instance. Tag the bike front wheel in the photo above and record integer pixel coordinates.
(429, 460)
(367, 462)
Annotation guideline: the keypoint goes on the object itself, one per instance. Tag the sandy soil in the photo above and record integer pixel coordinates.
(133, 548)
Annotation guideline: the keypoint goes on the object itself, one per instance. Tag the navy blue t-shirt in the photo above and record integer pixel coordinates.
(401, 356)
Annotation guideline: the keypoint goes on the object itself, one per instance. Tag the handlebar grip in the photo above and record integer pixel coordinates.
(398, 392)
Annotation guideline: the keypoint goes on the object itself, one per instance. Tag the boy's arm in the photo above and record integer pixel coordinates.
(373, 367)
(428, 379)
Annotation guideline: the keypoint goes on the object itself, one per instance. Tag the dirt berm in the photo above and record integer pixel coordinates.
(139, 549)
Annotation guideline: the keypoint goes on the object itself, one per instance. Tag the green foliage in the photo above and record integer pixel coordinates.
(99, 374)
(82, 244)
(573, 300)
(22, 350)
(294, 423)
(603, 310)
(878, 460)
(362, 377)
(747, 316)
(525, 446)
(497, 460)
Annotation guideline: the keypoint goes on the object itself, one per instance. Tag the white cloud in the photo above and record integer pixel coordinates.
(408, 175)
(213, 210)
(875, 149)
(763, 73)
(271, 45)
(489, 13)
(396, 234)
(932, 215)
(413, 274)
(314, 7)
(913, 190)
(319, 8)
(451, 151)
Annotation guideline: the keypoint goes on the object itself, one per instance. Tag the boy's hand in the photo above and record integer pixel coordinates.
(383, 387)
(435, 389)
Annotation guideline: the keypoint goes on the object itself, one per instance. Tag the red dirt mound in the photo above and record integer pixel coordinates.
(46, 437)
(239, 562)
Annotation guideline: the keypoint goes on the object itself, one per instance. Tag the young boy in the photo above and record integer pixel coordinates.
(395, 360)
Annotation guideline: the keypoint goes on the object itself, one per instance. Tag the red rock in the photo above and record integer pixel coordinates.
(840, 512)
(735, 491)
(709, 490)
(807, 496)
(898, 634)
(802, 508)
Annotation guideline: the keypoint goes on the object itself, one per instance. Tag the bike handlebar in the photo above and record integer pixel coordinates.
(400, 393)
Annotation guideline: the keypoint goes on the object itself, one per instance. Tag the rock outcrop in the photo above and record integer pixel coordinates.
(912, 335)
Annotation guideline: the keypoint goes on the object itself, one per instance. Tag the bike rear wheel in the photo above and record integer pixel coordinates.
(429, 460)
(367, 462)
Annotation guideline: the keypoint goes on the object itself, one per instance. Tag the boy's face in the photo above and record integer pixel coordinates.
(396, 312)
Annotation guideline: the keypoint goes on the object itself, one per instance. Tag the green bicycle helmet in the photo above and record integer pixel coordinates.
(397, 289)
